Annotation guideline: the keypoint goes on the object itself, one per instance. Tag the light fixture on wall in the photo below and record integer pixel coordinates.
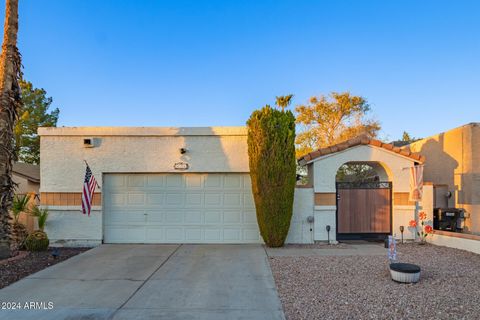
(183, 150)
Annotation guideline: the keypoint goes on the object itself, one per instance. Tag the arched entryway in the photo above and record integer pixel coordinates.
(363, 201)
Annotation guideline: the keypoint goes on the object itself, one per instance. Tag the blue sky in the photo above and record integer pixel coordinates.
(201, 63)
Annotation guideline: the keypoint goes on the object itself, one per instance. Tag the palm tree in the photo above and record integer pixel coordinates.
(284, 101)
(10, 72)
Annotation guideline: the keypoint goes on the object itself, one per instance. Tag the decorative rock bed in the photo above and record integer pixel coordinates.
(361, 287)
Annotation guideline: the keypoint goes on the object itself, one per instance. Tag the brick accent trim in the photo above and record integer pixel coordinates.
(67, 199)
(325, 199)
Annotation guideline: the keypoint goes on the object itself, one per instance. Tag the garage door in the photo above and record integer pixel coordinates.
(179, 208)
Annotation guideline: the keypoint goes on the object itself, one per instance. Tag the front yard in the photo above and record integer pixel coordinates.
(359, 287)
(26, 263)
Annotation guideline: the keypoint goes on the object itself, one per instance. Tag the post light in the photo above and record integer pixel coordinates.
(402, 228)
(328, 233)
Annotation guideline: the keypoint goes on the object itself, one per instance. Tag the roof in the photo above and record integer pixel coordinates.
(28, 171)
(357, 141)
(142, 131)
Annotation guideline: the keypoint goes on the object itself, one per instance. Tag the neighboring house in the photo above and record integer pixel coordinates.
(453, 162)
(192, 185)
(27, 177)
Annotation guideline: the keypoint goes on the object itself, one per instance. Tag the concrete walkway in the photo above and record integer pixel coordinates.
(152, 282)
(346, 249)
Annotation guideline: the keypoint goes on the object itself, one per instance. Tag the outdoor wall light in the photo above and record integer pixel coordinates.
(183, 150)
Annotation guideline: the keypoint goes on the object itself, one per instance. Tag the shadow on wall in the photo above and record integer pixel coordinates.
(440, 167)
(209, 148)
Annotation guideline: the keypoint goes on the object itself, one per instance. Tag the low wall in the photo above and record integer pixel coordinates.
(68, 226)
(302, 208)
(462, 241)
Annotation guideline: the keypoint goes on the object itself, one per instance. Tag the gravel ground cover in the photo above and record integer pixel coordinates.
(360, 287)
(26, 263)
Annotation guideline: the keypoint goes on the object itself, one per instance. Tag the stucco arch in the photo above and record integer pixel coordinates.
(381, 168)
(391, 162)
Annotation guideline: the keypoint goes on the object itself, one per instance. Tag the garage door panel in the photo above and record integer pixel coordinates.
(194, 234)
(134, 217)
(156, 181)
(136, 180)
(154, 234)
(155, 216)
(116, 199)
(194, 217)
(233, 200)
(153, 199)
(248, 201)
(130, 234)
(193, 181)
(213, 199)
(174, 200)
(232, 182)
(174, 181)
(136, 199)
(179, 208)
(230, 217)
(174, 234)
(213, 216)
(213, 234)
(114, 181)
(251, 234)
(194, 200)
(213, 181)
(250, 216)
(232, 235)
(174, 217)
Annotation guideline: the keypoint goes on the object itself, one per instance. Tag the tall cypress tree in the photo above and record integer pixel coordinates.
(271, 150)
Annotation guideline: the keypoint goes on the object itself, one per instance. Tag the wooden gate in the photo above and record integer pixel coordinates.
(364, 210)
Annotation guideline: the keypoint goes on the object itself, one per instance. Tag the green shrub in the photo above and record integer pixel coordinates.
(271, 151)
(37, 241)
(41, 214)
(19, 205)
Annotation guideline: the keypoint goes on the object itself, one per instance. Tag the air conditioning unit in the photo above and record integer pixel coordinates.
(88, 142)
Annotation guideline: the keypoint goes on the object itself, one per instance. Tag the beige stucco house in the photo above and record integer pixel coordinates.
(192, 185)
(453, 165)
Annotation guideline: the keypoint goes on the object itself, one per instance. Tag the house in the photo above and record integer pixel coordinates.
(453, 165)
(192, 185)
(27, 177)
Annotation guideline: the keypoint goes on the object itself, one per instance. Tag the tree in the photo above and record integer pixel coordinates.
(10, 103)
(406, 137)
(328, 120)
(271, 151)
(283, 101)
(34, 114)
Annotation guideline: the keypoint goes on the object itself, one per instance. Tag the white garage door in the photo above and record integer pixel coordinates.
(179, 208)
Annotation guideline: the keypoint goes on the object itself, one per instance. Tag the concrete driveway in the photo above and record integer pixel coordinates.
(152, 282)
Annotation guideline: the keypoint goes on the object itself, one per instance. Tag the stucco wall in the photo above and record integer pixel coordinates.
(144, 150)
(67, 226)
(453, 158)
(302, 208)
(209, 150)
(392, 168)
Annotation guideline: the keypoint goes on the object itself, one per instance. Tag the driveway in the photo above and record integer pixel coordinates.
(152, 282)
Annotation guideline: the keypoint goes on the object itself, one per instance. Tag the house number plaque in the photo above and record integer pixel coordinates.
(180, 166)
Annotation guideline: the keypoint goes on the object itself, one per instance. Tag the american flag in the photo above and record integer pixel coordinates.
(89, 185)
